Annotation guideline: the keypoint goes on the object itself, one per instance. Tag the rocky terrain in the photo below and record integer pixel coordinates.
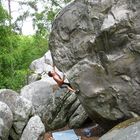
(96, 44)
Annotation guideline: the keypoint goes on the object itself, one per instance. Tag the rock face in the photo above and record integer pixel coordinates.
(6, 118)
(128, 130)
(54, 107)
(34, 130)
(21, 109)
(97, 44)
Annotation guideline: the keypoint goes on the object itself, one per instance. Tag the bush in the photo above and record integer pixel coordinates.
(15, 60)
(16, 53)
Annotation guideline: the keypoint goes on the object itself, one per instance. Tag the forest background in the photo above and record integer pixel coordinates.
(17, 50)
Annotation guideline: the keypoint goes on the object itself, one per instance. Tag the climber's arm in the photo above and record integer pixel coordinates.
(64, 76)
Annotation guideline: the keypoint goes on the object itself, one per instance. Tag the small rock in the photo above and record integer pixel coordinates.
(34, 130)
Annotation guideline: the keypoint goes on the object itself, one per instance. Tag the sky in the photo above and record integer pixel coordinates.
(27, 28)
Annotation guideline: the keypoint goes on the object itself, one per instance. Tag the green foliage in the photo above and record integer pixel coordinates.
(51, 15)
(67, 1)
(3, 15)
(16, 54)
(5, 31)
(14, 64)
(18, 51)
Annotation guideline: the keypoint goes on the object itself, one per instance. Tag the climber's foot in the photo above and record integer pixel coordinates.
(51, 138)
(77, 91)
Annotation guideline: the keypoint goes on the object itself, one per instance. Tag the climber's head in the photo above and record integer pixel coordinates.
(50, 74)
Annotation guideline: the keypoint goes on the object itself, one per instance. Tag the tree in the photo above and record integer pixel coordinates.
(18, 51)
(9, 9)
(42, 13)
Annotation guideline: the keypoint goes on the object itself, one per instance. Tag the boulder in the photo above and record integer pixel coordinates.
(54, 105)
(6, 119)
(34, 77)
(38, 93)
(42, 64)
(63, 109)
(78, 118)
(96, 43)
(45, 95)
(128, 130)
(34, 129)
(40, 67)
(21, 109)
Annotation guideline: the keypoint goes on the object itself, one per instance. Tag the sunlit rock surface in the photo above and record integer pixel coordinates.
(34, 129)
(128, 130)
(21, 109)
(6, 120)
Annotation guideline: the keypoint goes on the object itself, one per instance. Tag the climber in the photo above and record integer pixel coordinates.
(60, 81)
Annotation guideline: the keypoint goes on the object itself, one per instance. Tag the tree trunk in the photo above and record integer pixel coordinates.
(9, 9)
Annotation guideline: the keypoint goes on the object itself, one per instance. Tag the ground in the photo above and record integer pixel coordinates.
(79, 132)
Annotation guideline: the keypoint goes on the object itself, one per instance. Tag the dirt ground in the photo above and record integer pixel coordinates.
(79, 132)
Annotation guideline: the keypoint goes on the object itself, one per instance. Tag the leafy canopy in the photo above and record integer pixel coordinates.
(18, 51)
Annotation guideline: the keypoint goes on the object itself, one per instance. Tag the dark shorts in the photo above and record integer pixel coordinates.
(65, 85)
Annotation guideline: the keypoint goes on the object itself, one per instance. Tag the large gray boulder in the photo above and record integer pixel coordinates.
(97, 44)
(55, 107)
(38, 93)
(21, 109)
(34, 129)
(128, 130)
(6, 120)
